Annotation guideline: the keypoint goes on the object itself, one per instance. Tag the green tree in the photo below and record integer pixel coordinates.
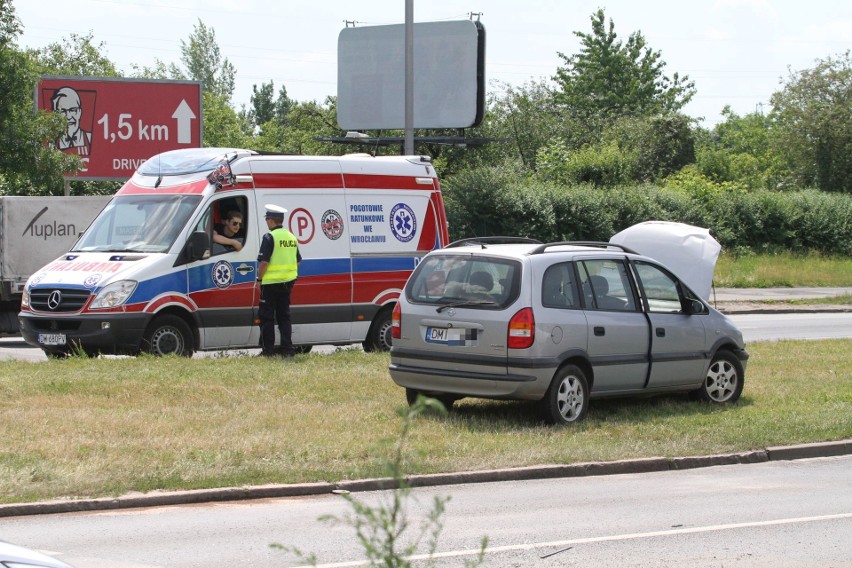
(223, 126)
(203, 62)
(812, 119)
(264, 108)
(305, 122)
(608, 78)
(740, 150)
(76, 55)
(28, 164)
(662, 144)
(283, 104)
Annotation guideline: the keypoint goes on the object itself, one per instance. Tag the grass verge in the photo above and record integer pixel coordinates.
(83, 428)
(783, 269)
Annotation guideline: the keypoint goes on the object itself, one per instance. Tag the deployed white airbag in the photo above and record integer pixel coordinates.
(688, 251)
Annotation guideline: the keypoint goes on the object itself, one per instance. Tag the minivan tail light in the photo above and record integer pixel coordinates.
(521, 330)
(396, 322)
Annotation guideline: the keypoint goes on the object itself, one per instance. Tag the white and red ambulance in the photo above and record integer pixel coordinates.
(147, 276)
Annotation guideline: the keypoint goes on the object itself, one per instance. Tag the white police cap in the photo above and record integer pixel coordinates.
(275, 211)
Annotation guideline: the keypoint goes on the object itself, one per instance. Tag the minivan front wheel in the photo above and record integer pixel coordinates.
(723, 382)
(567, 398)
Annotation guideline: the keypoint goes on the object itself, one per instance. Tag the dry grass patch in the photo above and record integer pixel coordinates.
(92, 428)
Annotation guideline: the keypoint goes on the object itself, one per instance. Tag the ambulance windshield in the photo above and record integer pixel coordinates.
(188, 161)
(138, 223)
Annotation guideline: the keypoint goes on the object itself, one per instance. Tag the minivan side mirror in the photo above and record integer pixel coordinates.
(694, 307)
(198, 246)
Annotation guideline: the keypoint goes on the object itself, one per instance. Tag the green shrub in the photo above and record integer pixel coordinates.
(504, 201)
(601, 165)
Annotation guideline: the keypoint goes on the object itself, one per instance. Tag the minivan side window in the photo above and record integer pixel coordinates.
(660, 288)
(606, 285)
(557, 287)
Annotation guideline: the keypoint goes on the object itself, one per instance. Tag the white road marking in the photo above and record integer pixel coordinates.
(589, 540)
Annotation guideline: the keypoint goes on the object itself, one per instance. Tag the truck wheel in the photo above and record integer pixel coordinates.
(379, 337)
(168, 335)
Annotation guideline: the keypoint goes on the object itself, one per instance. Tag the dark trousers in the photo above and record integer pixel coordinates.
(275, 306)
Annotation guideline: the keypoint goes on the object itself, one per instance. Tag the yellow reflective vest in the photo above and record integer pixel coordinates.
(283, 266)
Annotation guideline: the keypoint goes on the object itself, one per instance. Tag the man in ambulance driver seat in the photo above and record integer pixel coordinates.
(277, 270)
(227, 233)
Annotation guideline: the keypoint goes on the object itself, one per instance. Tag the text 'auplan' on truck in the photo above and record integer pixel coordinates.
(147, 276)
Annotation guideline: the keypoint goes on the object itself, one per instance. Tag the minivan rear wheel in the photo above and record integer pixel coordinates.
(567, 398)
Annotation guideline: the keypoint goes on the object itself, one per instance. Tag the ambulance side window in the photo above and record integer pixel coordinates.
(226, 219)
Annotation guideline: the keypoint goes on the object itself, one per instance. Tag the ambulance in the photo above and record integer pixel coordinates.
(147, 275)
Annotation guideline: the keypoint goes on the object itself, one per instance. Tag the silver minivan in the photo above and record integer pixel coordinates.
(560, 323)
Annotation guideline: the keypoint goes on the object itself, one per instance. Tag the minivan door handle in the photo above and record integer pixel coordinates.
(600, 331)
(661, 332)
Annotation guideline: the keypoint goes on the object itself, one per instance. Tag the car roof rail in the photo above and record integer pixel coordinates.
(492, 241)
(595, 244)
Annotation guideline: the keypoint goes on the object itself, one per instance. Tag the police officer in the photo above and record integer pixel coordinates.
(277, 270)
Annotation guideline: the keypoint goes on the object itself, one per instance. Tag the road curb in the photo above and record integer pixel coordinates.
(773, 311)
(642, 465)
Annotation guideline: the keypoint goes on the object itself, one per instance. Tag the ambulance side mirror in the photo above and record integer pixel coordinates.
(198, 246)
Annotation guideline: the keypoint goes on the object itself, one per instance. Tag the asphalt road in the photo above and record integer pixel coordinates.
(777, 513)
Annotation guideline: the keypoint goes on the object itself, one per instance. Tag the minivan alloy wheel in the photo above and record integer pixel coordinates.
(567, 399)
(724, 380)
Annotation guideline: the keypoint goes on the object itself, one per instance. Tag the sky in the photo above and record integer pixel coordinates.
(738, 52)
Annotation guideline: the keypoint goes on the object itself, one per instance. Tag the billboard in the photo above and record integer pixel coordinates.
(115, 124)
(449, 76)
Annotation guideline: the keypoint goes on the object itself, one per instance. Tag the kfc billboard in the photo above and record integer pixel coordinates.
(115, 124)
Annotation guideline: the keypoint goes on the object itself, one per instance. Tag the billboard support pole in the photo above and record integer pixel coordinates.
(408, 149)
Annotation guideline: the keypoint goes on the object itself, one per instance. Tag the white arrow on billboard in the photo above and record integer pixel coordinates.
(184, 116)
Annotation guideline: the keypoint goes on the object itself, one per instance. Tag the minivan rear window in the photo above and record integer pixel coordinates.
(480, 282)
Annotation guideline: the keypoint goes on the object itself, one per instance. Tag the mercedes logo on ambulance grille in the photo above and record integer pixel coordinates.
(54, 299)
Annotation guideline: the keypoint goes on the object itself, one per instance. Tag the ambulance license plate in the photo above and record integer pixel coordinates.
(51, 338)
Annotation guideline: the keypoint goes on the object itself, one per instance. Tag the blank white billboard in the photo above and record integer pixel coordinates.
(449, 77)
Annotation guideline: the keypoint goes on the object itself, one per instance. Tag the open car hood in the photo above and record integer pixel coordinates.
(688, 251)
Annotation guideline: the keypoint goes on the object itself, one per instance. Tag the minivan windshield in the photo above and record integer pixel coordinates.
(138, 223)
(468, 281)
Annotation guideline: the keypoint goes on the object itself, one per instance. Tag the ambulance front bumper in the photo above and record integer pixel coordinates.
(95, 333)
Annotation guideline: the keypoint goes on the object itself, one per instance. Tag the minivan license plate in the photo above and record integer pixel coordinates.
(51, 338)
(450, 336)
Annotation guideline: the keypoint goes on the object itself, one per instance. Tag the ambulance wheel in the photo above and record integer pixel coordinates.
(379, 338)
(168, 335)
(303, 349)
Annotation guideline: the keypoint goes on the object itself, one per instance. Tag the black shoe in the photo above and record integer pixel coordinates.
(268, 354)
(281, 352)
